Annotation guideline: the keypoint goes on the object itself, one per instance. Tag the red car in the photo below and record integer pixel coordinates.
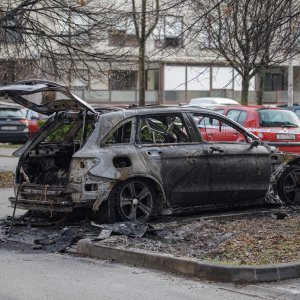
(33, 119)
(277, 127)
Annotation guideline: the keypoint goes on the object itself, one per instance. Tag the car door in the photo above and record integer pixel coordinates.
(175, 157)
(239, 170)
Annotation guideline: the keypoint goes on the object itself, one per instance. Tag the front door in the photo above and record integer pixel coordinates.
(239, 171)
(176, 158)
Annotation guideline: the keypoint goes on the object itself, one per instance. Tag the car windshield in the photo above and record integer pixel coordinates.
(10, 113)
(277, 118)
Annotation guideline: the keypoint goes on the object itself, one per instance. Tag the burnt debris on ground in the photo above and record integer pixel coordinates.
(253, 236)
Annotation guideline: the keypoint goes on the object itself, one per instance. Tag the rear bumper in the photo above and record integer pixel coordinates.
(13, 137)
(42, 205)
(43, 198)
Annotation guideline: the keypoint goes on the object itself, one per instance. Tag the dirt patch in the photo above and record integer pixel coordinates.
(259, 239)
(6, 179)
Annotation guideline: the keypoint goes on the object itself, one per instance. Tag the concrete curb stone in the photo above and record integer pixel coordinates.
(191, 267)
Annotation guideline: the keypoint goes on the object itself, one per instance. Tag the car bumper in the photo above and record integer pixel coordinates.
(42, 198)
(13, 137)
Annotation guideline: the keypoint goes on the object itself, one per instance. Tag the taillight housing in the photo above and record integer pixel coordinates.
(25, 122)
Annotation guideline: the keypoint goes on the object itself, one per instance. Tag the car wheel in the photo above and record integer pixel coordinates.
(136, 200)
(289, 185)
(106, 212)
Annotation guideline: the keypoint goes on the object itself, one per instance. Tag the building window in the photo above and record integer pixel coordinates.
(123, 80)
(168, 32)
(75, 26)
(124, 34)
(10, 30)
(7, 73)
(152, 80)
(274, 82)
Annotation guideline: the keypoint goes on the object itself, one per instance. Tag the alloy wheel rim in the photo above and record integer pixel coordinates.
(136, 201)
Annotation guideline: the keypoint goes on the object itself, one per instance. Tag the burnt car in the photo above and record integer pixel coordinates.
(135, 164)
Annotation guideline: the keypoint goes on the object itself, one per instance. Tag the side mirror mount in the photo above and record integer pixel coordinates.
(255, 143)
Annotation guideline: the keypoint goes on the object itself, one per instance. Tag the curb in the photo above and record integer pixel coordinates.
(191, 267)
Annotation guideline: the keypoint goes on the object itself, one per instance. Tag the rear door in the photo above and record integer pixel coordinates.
(45, 97)
(239, 171)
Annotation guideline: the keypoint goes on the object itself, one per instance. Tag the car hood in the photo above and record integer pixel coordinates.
(45, 97)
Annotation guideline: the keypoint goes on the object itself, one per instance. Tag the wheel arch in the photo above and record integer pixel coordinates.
(294, 162)
(162, 199)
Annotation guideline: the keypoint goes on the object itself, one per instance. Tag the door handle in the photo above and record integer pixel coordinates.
(153, 152)
(216, 149)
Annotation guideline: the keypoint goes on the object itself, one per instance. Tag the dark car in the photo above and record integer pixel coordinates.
(135, 164)
(295, 108)
(13, 125)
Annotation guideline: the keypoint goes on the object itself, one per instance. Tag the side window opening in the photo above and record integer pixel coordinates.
(214, 130)
(121, 135)
(162, 129)
(238, 116)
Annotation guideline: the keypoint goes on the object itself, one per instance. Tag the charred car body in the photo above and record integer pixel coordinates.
(141, 162)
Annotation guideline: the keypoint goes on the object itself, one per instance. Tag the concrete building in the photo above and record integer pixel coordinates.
(178, 68)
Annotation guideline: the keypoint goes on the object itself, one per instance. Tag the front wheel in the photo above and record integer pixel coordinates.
(289, 185)
(136, 200)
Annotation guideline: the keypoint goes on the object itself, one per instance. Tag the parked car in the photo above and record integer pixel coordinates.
(33, 119)
(13, 125)
(211, 102)
(295, 108)
(277, 127)
(137, 163)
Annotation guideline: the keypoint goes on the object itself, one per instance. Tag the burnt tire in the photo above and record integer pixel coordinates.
(106, 212)
(136, 200)
(289, 185)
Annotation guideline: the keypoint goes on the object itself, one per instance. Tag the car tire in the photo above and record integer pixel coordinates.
(289, 185)
(136, 200)
(106, 213)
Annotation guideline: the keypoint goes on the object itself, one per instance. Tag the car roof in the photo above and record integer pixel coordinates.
(144, 110)
(213, 101)
(248, 107)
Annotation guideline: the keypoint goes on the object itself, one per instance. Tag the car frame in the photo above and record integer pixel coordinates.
(135, 164)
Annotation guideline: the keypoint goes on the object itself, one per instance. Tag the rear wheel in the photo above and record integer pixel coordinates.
(106, 212)
(136, 200)
(289, 185)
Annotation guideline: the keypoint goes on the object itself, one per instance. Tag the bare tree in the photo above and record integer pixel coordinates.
(250, 35)
(145, 17)
(56, 37)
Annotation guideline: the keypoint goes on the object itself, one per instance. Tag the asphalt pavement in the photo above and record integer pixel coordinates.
(8, 162)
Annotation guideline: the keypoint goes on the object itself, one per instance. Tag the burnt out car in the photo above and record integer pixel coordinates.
(134, 164)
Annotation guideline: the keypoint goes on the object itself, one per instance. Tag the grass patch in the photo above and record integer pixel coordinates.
(10, 146)
(6, 179)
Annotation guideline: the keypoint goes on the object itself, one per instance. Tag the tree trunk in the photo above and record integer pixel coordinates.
(260, 93)
(142, 75)
(142, 49)
(245, 89)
